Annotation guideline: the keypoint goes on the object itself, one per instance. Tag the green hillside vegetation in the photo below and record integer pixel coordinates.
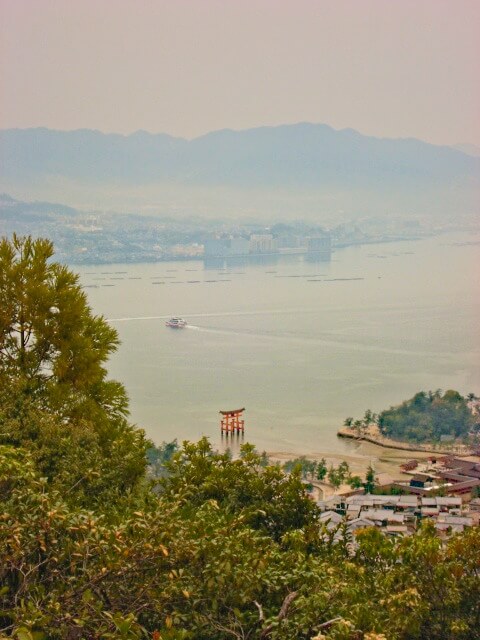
(429, 416)
(92, 547)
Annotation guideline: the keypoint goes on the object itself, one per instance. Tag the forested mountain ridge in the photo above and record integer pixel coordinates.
(301, 156)
(304, 154)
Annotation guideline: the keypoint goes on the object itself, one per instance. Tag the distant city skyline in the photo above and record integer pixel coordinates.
(388, 69)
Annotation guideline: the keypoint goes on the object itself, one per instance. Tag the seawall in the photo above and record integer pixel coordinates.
(405, 446)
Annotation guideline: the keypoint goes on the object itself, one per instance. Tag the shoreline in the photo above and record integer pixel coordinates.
(387, 443)
(386, 462)
(386, 456)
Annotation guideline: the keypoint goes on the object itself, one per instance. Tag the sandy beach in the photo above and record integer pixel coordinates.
(385, 461)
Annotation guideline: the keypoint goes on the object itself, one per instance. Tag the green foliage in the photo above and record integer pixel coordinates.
(55, 399)
(158, 457)
(361, 426)
(267, 499)
(310, 469)
(370, 480)
(355, 482)
(307, 468)
(50, 343)
(334, 477)
(343, 470)
(428, 416)
(321, 469)
(182, 568)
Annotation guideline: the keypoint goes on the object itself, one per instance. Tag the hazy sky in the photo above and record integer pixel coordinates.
(385, 67)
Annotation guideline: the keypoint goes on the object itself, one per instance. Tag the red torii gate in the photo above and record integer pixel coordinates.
(231, 421)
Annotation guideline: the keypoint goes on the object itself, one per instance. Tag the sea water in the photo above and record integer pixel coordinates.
(300, 344)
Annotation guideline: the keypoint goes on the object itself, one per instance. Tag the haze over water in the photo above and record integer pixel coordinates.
(300, 344)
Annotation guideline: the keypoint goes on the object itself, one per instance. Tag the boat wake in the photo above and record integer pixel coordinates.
(221, 314)
(324, 341)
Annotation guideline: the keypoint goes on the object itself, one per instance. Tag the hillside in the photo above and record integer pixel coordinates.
(469, 149)
(339, 169)
(429, 417)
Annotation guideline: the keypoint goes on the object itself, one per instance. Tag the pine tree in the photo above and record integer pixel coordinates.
(55, 398)
(370, 480)
(51, 345)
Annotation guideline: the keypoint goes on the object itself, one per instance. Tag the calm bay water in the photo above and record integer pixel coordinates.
(300, 344)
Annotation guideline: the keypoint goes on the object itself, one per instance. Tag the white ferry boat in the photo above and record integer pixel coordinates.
(176, 323)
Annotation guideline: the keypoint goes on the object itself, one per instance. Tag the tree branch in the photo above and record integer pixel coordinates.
(261, 617)
(329, 623)
(283, 613)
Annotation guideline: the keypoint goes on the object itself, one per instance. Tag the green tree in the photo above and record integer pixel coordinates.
(428, 416)
(355, 482)
(358, 426)
(322, 469)
(368, 417)
(343, 470)
(55, 398)
(334, 477)
(311, 468)
(305, 467)
(51, 344)
(370, 480)
(157, 457)
(267, 498)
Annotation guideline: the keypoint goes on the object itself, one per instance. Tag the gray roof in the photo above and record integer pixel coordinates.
(331, 516)
(448, 501)
(455, 520)
(385, 514)
(408, 500)
(397, 528)
(360, 523)
(371, 500)
(444, 526)
(329, 502)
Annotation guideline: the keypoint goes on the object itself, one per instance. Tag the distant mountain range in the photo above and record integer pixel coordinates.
(12, 209)
(344, 168)
(469, 149)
